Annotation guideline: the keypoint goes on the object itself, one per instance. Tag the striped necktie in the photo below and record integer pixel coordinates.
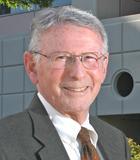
(88, 151)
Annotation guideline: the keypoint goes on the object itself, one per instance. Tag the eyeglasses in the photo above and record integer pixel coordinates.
(61, 60)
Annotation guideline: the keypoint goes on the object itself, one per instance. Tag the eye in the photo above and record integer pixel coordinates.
(61, 58)
(90, 57)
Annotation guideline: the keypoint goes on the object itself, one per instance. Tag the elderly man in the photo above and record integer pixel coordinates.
(67, 61)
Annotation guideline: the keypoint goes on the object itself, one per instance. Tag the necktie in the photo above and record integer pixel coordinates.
(88, 151)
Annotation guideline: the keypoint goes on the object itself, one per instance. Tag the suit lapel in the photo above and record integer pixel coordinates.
(45, 133)
(102, 151)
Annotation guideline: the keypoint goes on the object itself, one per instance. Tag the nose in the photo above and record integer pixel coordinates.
(77, 71)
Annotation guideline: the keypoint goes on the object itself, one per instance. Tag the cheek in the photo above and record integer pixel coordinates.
(97, 76)
(54, 79)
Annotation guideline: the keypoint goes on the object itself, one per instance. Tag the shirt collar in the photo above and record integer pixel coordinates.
(67, 127)
(92, 132)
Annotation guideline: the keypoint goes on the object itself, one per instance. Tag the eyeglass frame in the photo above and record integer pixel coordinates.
(73, 57)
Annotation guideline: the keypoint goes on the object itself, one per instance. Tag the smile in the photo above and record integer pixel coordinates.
(81, 89)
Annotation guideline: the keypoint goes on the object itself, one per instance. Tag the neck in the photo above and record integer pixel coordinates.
(80, 117)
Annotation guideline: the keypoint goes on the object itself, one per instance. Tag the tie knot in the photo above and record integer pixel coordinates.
(84, 136)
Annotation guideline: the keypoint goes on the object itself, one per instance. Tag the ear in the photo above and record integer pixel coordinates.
(30, 67)
(105, 66)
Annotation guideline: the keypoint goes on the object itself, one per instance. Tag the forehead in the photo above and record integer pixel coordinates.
(70, 37)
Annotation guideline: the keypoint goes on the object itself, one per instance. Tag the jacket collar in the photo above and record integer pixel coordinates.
(45, 133)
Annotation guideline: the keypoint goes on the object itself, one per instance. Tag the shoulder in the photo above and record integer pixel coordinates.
(104, 127)
(111, 138)
(14, 124)
(16, 137)
(107, 132)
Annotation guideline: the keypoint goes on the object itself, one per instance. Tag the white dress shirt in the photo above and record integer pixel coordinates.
(68, 130)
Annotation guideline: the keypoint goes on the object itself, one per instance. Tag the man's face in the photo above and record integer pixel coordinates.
(70, 90)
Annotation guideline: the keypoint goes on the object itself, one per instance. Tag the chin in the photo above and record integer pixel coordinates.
(77, 108)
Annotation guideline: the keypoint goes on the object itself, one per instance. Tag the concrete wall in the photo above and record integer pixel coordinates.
(15, 88)
(15, 24)
(109, 8)
(89, 5)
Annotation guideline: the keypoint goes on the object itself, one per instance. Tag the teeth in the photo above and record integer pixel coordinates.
(77, 89)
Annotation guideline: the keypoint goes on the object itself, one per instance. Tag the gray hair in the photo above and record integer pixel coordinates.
(67, 14)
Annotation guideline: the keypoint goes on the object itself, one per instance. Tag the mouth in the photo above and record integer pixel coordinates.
(76, 90)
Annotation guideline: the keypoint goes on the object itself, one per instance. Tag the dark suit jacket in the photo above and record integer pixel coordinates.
(30, 135)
